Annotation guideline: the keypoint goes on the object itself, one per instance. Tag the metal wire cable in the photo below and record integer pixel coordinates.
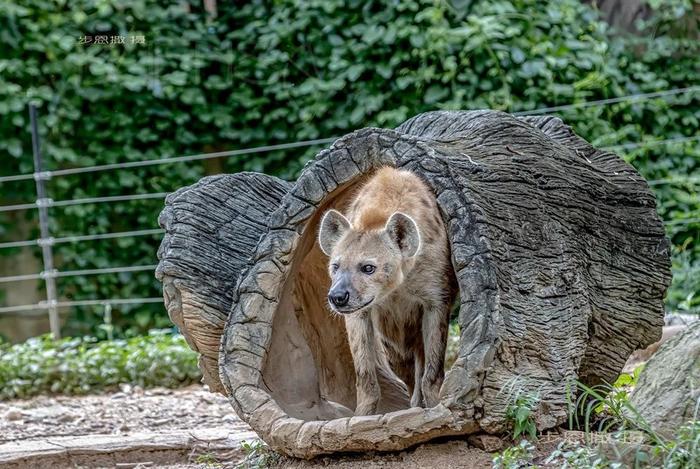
(20, 278)
(76, 273)
(162, 195)
(108, 270)
(73, 239)
(121, 234)
(43, 305)
(19, 244)
(683, 221)
(112, 198)
(605, 102)
(678, 181)
(168, 160)
(88, 200)
(305, 143)
(653, 143)
(11, 208)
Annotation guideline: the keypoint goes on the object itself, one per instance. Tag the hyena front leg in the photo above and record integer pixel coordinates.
(362, 347)
(417, 397)
(435, 324)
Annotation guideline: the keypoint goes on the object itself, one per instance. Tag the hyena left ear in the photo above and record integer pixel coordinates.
(403, 230)
(333, 226)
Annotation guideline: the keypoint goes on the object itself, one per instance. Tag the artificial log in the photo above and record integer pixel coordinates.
(561, 260)
(211, 229)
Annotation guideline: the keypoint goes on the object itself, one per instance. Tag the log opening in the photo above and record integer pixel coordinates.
(308, 338)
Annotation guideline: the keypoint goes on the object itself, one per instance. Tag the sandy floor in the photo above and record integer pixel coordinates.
(130, 410)
(133, 410)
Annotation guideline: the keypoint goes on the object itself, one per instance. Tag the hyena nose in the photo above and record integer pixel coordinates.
(339, 299)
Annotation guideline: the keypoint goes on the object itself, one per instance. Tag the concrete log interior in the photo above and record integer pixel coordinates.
(561, 259)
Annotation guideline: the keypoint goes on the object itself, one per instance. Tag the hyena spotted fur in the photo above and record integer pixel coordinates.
(391, 279)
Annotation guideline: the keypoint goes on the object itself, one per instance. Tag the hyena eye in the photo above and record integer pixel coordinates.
(368, 269)
(334, 267)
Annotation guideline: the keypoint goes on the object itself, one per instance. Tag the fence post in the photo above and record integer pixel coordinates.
(46, 240)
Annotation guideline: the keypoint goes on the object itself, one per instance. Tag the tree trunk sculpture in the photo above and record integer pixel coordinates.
(561, 260)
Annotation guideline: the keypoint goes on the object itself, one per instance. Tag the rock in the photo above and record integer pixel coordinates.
(668, 390)
(64, 418)
(14, 414)
(643, 355)
(680, 319)
(489, 443)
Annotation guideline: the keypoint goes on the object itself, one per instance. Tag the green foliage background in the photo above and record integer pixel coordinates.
(81, 365)
(265, 72)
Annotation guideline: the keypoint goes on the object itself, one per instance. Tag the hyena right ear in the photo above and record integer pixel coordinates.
(403, 230)
(333, 226)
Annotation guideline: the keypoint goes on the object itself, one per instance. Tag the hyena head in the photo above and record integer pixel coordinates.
(366, 265)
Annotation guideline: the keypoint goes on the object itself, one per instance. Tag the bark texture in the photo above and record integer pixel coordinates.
(211, 229)
(667, 394)
(561, 260)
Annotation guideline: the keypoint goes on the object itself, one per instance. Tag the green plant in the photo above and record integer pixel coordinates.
(520, 414)
(684, 450)
(452, 349)
(606, 408)
(83, 365)
(628, 380)
(257, 455)
(515, 457)
(576, 456)
(208, 460)
(620, 419)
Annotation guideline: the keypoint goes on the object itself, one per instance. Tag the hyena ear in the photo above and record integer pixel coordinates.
(403, 230)
(333, 226)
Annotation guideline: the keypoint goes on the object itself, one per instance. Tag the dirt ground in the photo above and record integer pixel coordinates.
(130, 410)
(133, 411)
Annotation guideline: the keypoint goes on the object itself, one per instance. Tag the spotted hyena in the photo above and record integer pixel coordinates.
(392, 281)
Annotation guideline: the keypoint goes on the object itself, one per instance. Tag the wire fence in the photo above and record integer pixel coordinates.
(43, 203)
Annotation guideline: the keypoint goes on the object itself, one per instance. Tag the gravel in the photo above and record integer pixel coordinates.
(130, 410)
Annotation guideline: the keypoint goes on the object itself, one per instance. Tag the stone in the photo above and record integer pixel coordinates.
(667, 394)
(14, 414)
(489, 443)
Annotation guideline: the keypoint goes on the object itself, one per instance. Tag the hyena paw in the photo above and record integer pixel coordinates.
(431, 394)
(416, 398)
(366, 408)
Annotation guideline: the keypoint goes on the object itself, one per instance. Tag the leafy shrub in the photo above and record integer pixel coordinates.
(607, 409)
(520, 414)
(258, 455)
(515, 457)
(83, 365)
(268, 72)
(576, 456)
